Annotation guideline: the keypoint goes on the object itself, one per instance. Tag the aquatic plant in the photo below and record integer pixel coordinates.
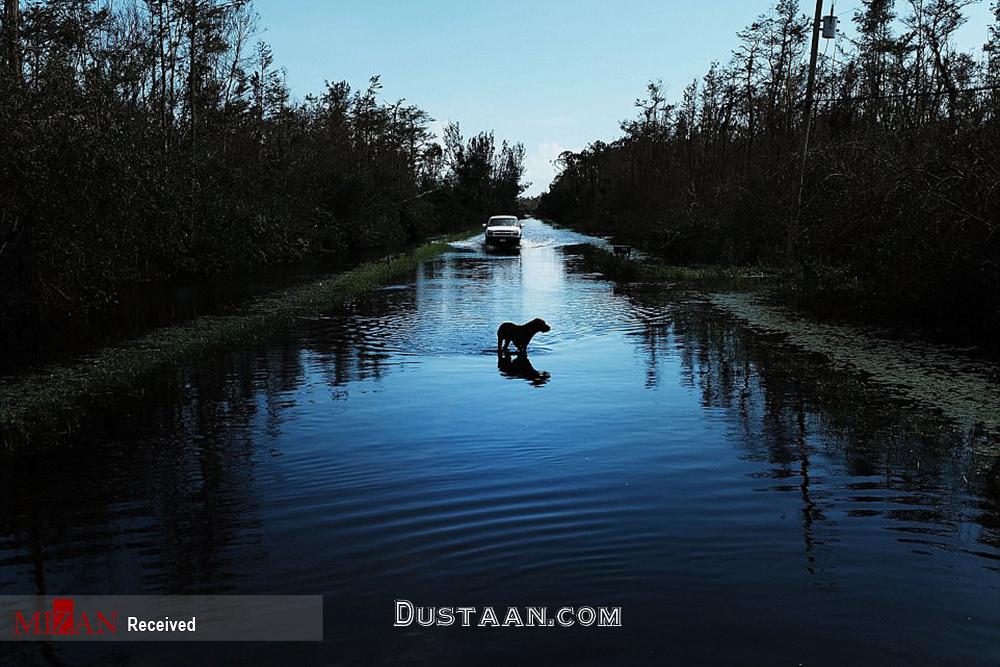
(939, 378)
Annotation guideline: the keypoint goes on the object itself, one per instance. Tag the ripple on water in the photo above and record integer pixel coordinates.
(712, 481)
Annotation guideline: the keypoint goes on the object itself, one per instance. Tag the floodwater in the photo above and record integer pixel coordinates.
(741, 499)
(32, 339)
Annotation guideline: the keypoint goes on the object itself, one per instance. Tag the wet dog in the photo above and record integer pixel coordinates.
(519, 334)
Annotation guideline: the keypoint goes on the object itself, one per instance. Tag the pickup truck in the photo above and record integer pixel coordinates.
(503, 231)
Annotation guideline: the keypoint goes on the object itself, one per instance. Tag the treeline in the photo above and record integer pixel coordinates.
(893, 212)
(147, 138)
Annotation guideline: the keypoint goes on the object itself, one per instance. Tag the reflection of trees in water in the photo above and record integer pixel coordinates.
(157, 498)
(164, 500)
(158, 494)
(355, 341)
(845, 442)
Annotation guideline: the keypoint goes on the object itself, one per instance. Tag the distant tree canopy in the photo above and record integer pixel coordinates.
(901, 197)
(146, 138)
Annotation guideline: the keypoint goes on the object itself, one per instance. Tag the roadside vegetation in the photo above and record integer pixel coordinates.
(143, 139)
(55, 398)
(652, 270)
(897, 214)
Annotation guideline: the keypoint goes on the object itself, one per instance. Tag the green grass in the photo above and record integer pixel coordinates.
(456, 236)
(646, 270)
(55, 398)
(957, 386)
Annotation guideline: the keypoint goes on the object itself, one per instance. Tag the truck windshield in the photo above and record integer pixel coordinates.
(503, 222)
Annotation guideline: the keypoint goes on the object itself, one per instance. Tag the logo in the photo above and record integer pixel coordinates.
(64, 620)
(172, 618)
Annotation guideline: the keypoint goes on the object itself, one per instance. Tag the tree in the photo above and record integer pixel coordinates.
(12, 38)
(874, 23)
(151, 138)
(898, 199)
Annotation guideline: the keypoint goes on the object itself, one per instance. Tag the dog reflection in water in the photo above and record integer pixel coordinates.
(519, 366)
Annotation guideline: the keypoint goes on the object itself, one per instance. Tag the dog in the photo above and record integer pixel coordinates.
(520, 335)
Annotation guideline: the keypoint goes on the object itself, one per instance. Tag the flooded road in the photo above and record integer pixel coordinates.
(740, 499)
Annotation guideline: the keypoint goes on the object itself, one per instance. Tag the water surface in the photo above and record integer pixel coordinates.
(741, 499)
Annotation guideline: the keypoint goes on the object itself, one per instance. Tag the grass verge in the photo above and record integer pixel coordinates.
(647, 270)
(54, 398)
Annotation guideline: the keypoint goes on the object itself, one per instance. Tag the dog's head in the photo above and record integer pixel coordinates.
(538, 324)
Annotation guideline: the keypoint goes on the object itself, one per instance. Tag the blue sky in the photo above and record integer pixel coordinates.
(553, 74)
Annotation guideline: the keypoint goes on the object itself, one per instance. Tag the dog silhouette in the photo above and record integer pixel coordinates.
(519, 334)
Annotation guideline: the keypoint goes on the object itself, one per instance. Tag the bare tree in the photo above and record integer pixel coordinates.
(12, 38)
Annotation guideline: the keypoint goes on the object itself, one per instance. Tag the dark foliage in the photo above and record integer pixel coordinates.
(899, 201)
(146, 138)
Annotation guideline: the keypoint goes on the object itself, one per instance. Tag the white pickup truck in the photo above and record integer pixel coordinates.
(503, 231)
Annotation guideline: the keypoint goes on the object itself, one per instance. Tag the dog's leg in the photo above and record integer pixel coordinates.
(522, 345)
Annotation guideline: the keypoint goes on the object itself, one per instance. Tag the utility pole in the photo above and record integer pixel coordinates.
(793, 230)
(813, 55)
(192, 74)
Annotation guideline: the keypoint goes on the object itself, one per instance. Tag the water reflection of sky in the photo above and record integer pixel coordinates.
(735, 496)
